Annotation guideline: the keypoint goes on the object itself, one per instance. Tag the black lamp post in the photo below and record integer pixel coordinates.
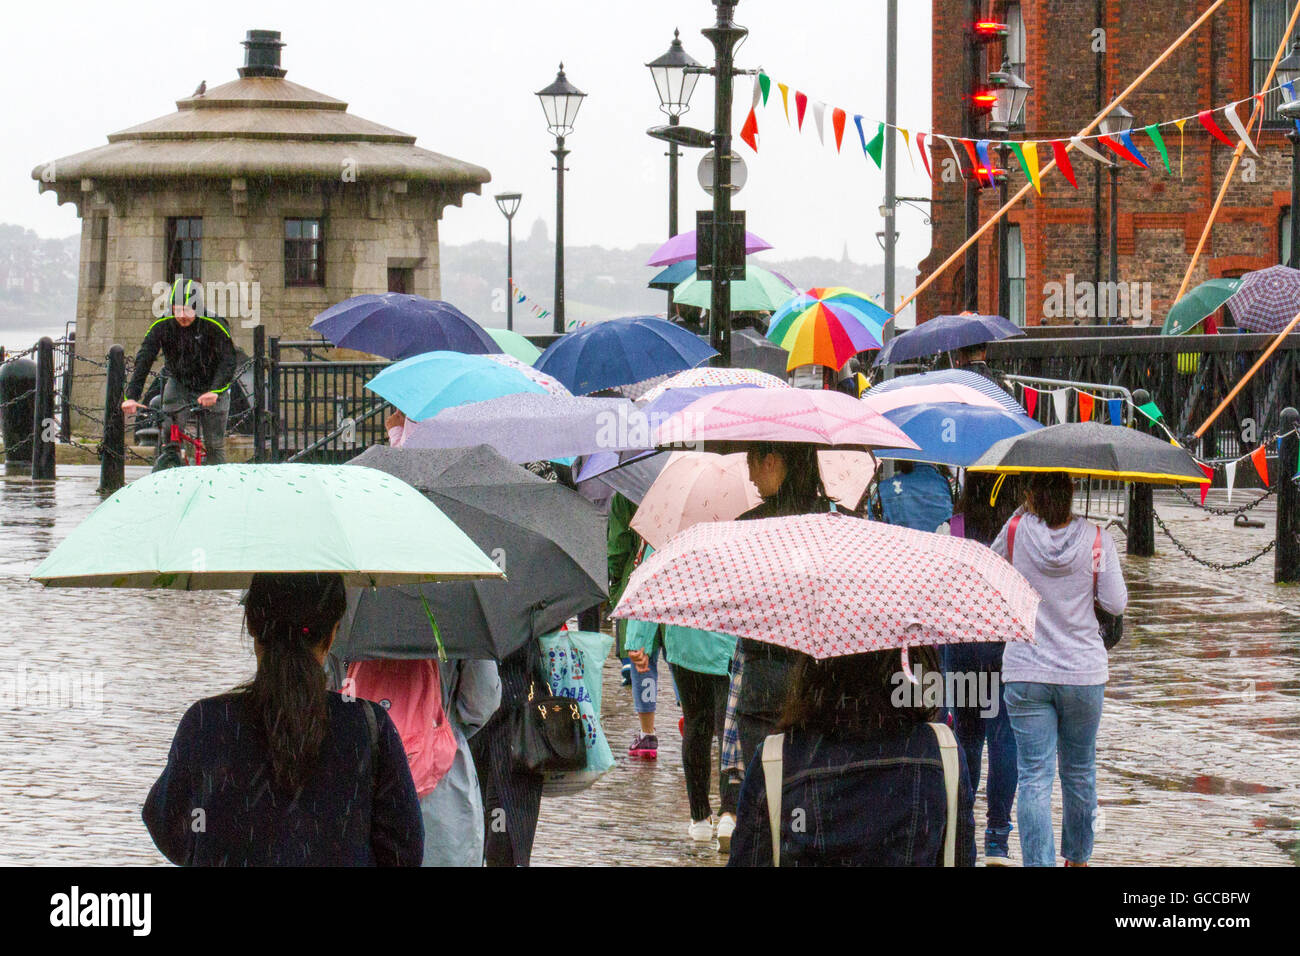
(508, 203)
(675, 74)
(1288, 71)
(560, 103)
(1113, 124)
(1012, 93)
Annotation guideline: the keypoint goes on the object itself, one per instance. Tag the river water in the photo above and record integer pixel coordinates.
(1198, 753)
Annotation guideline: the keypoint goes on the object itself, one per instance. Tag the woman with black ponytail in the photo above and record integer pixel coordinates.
(281, 771)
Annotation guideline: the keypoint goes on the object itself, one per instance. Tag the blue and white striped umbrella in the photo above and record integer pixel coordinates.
(1267, 300)
(951, 376)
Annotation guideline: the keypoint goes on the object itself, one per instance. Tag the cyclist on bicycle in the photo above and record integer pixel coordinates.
(200, 363)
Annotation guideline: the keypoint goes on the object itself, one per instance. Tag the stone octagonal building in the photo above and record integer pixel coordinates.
(275, 197)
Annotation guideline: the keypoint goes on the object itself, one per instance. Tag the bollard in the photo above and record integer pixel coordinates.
(1141, 510)
(65, 388)
(45, 430)
(17, 403)
(112, 457)
(1286, 557)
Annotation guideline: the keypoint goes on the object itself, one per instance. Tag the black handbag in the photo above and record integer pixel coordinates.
(547, 734)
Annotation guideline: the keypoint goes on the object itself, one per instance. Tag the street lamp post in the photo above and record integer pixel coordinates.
(724, 35)
(508, 203)
(675, 74)
(1012, 93)
(1288, 74)
(560, 102)
(1113, 124)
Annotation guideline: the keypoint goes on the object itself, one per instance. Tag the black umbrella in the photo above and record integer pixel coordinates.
(547, 539)
(1093, 450)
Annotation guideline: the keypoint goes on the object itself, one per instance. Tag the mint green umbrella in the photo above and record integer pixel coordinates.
(759, 291)
(512, 343)
(1192, 308)
(216, 526)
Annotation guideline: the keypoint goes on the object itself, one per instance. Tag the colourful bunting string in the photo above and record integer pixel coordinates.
(521, 299)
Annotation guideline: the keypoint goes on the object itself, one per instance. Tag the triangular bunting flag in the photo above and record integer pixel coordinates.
(765, 84)
(1061, 405)
(1126, 138)
(1207, 120)
(1230, 112)
(800, 107)
(1119, 149)
(819, 114)
(1259, 459)
(838, 117)
(1115, 411)
(1031, 161)
(1062, 158)
(1022, 158)
(1180, 124)
(1153, 133)
(970, 152)
(1088, 151)
(952, 149)
(920, 148)
(758, 93)
(877, 144)
(907, 147)
(1230, 477)
(1205, 485)
(862, 137)
(1031, 400)
(1151, 412)
(749, 132)
(1085, 407)
(785, 100)
(982, 149)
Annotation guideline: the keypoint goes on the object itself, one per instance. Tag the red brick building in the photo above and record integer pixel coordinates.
(1075, 53)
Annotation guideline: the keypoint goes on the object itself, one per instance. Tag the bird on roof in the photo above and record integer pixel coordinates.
(201, 88)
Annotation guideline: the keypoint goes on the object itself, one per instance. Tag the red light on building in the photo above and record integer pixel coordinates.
(987, 31)
(983, 101)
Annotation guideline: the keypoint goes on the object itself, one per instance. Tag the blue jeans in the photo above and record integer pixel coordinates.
(645, 687)
(971, 728)
(1055, 723)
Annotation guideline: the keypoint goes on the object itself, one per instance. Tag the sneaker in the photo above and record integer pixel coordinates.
(995, 846)
(627, 675)
(726, 827)
(701, 831)
(645, 746)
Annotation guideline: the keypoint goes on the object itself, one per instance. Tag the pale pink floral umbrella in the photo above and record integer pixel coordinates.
(832, 585)
(846, 474)
(709, 377)
(694, 487)
(548, 382)
(730, 420)
(923, 394)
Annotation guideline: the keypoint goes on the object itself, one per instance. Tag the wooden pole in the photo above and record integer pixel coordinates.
(1247, 377)
(1052, 165)
(1255, 114)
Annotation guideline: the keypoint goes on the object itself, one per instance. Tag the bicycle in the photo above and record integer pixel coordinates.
(180, 445)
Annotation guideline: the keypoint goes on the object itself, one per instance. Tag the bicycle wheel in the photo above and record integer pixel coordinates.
(168, 457)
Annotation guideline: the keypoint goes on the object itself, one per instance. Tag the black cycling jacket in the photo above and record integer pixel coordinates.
(201, 357)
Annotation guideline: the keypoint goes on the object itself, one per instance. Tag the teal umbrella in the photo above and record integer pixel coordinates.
(424, 385)
(1192, 308)
(759, 291)
(512, 343)
(215, 527)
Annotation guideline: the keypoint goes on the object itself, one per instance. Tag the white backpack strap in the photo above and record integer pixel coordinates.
(951, 777)
(773, 775)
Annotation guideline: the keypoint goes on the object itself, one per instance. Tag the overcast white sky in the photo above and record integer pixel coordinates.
(460, 76)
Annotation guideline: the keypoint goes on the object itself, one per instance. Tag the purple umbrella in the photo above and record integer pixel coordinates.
(682, 246)
(1267, 300)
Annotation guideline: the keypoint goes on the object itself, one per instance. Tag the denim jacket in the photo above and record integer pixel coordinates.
(855, 801)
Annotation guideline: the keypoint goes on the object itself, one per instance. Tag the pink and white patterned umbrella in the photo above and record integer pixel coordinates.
(805, 416)
(547, 382)
(709, 377)
(694, 487)
(832, 585)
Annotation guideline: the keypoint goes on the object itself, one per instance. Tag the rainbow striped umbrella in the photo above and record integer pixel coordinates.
(827, 326)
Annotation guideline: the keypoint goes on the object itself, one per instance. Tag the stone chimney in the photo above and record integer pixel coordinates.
(262, 54)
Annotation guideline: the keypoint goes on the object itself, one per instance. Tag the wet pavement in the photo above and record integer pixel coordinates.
(1198, 752)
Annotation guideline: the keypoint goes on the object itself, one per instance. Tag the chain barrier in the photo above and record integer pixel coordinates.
(18, 398)
(1227, 512)
(12, 356)
(1212, 565)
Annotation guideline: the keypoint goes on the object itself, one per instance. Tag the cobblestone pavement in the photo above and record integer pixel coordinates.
(1198, 756)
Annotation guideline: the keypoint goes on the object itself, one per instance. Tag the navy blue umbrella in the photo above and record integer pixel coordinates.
(398, 326)
(944, 333)
(620, 352)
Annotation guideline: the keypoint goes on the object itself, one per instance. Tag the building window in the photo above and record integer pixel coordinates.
(1267, 21)
(1014, 49)
(304, 260)
(401, 280)
(185, 248)
(1284, 236)
(1015, 275)
(98, 252)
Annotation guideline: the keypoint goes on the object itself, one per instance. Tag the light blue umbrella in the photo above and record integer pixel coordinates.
(952, 433)
(424, 385)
